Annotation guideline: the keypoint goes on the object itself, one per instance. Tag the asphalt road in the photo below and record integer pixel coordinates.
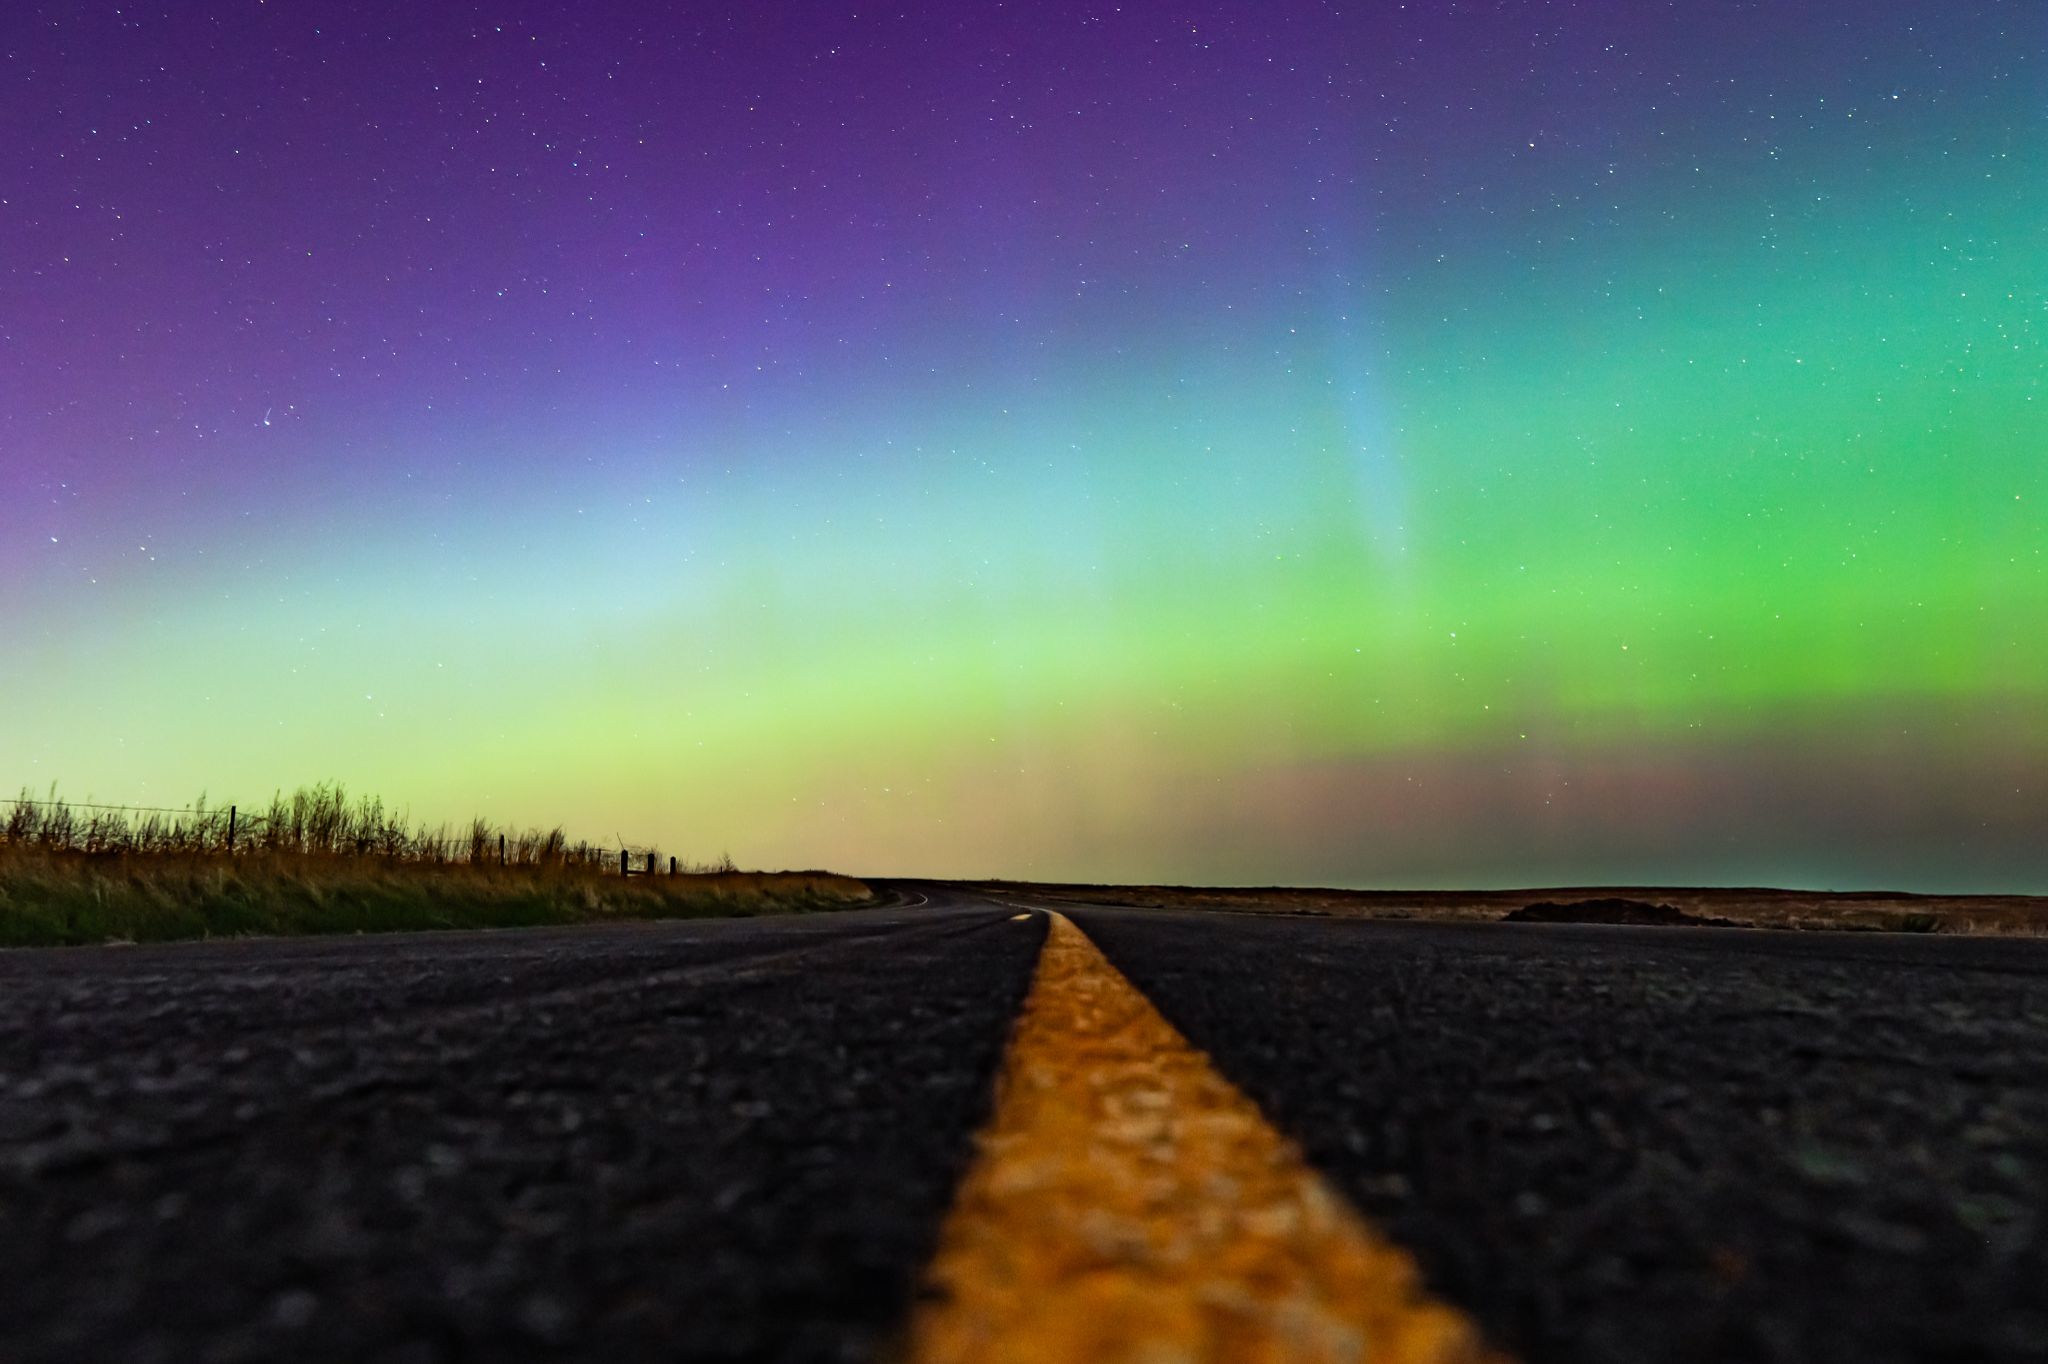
(1617, 1145)
(726, 1140)
(735, 1140)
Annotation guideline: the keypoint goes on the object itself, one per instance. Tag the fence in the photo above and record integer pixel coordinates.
(319, 821)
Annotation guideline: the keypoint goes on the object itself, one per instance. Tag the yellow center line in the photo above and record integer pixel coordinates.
(1129, 1205)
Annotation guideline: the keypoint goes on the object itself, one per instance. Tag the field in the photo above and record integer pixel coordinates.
(1857, 911)
(318, 862)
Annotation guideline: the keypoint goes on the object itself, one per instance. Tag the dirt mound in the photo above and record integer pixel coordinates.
(1612, 912)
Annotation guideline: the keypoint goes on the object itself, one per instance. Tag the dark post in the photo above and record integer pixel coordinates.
(671, 866)
(625, 867)
(501, 850)
(650, 864)
(231, 828)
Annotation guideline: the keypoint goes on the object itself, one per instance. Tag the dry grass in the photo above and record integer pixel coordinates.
(317, 862)
(1857, 911)
(313, 821)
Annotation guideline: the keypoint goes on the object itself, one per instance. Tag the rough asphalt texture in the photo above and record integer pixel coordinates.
(1621, 1145)
(735, 1140)
(707, 1141)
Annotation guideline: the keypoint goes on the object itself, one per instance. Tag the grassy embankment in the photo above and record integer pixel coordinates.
(317, 862)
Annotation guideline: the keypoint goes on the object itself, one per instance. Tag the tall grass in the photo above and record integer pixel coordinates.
(319, 861)
(313, 821)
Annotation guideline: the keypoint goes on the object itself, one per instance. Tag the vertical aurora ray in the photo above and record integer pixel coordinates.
(1220, 443)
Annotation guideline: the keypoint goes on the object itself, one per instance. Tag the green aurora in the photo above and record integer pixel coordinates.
(1694, 534)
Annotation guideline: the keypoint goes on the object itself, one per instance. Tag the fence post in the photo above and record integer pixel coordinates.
(501, 850)
(231, 828)
(671, 866)
(625, 868)
(650, 864)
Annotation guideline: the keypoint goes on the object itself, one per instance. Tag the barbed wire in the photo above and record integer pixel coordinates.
(134, 809)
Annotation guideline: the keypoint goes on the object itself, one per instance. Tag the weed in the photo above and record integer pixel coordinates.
(319, 862)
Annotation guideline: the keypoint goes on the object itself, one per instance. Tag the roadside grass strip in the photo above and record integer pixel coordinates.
(1131, 1206)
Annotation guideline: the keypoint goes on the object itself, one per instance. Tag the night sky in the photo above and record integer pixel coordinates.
(1372, 444)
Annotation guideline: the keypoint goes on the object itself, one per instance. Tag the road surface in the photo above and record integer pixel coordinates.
(1655, 1144)
(738, 1140)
